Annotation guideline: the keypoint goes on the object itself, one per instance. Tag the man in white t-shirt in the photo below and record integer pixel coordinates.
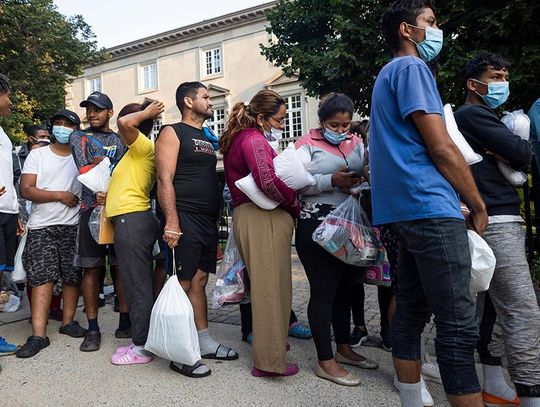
(9, 208)
(49, 180)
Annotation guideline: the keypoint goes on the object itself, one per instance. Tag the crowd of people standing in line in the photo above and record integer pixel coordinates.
(423, 198)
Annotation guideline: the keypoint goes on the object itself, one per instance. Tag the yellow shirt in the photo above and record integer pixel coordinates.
(132, 179)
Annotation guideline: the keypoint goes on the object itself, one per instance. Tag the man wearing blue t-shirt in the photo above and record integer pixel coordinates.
(417, 173)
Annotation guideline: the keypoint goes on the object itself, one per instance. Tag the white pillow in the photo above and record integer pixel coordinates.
(451, 126)
(248, 186)
(289, 168)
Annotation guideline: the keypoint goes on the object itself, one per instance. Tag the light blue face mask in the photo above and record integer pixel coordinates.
(432, 45)
(498, 93)
(61, 134)
(334, 138)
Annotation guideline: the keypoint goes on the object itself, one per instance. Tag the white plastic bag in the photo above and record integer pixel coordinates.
(515, 178)
(172, 334)
(518, 123)
(289, 168)
(231, 287)
(482, 262)
(19, 274)
(98, 178)
(451, 126)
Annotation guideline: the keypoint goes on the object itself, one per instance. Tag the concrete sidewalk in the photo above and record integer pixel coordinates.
(62, 375)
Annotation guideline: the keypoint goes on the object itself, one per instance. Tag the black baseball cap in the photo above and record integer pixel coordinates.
(98, 99)
(67, 114)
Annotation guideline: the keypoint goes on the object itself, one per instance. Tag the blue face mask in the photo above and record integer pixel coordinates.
(334, 138)
(498, 93)
(432, 45)
(61, 134)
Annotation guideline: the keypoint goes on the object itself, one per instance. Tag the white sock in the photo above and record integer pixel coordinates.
(410, 394)
(140, 351)
(530, 401)
(495, 383)
(210, 346)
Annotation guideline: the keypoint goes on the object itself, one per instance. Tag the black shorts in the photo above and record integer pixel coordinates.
(48, 256)
(89, 253)
(197, 248)
(8, 240)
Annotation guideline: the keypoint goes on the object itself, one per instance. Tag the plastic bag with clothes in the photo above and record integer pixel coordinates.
(379, 275)
(172, 334)
(347, 234)
(232, 282)
(9, 302)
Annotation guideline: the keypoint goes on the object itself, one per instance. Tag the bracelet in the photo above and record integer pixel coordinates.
(172, 232)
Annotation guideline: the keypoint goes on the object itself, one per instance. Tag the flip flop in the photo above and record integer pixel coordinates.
(227, 356)
(188, 370)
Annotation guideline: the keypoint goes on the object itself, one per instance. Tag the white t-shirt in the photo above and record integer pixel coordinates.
(54, 173)
(8, 201)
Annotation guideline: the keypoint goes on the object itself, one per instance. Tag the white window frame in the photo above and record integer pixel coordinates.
(90, 84)
(209, 68)
(216, 123)
(142, 84)
(291, 114)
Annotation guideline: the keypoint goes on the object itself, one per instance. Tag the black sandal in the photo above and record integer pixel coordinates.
(32, 346)
(188, 370)
(227, 356)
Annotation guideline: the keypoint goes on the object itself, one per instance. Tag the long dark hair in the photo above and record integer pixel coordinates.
(265, 102)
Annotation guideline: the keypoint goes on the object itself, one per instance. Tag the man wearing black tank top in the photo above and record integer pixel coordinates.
(189, 196)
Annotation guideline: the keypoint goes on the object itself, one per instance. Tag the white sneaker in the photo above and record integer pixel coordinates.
(427, 400)
(430, 369)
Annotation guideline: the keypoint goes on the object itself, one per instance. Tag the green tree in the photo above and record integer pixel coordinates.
(40, 51)
(337, 45)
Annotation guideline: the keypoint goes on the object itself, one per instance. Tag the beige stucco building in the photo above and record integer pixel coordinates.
(223, 53)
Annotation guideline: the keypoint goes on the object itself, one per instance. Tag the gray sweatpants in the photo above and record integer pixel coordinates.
(515, 303)
(134, 237)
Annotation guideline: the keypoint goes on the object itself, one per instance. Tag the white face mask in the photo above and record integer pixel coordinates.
(273, 136)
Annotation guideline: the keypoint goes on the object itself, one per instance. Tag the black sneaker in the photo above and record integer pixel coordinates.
(32, 346)
(358, 336)
(73, 329)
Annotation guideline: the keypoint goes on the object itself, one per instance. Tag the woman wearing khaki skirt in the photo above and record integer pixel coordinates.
(263, 237)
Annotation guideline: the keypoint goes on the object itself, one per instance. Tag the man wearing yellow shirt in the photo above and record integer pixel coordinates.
(136, 227)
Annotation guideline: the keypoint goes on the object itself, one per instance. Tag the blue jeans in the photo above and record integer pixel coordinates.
(433, 277)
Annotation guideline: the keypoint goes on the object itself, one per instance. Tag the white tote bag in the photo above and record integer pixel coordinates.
(482, 263)
(19, 275)
(172, 334)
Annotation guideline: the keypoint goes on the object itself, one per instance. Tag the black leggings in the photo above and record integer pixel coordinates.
(331, 288)
(384, 295)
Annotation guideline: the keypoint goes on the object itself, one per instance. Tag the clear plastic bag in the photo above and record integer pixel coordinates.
(519, 123)
(379, 275)
(231, 283)
(172, 334)
(347, 234)
(94, 222)
(9, 302)
(514, 177)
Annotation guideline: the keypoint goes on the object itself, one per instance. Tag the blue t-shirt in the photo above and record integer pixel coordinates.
(534, 115)
(405, 183)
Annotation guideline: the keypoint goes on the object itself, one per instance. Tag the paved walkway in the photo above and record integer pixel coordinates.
(62, 375)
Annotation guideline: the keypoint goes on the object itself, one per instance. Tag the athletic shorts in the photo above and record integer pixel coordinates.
(90, 254)
(8, 240)
(48, 256)
(197, 248)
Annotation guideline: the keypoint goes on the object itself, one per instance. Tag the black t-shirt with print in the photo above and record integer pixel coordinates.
(195, 181)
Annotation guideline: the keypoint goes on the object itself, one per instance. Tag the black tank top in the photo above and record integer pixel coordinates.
(195, 181)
